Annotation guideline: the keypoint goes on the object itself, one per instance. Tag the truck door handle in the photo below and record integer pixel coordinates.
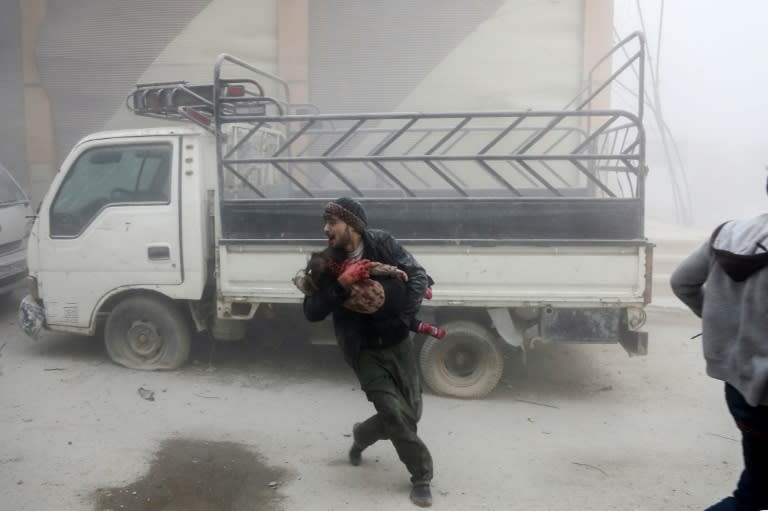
(158, 252)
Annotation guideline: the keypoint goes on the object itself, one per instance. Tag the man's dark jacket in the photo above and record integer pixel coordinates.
(355, 331)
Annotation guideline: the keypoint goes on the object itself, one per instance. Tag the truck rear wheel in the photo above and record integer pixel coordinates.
(147, 332)
(467, 363)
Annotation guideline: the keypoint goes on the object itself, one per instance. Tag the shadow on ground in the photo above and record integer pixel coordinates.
(9, 303)
(277, 352)
(195, 475)
(554, 370)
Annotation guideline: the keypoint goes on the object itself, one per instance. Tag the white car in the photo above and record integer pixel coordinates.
(16, 218)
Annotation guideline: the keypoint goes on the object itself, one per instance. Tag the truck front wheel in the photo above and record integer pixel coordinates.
(147, 332)
(467, 363)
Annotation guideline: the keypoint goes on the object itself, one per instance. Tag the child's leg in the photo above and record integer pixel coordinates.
(427, 328)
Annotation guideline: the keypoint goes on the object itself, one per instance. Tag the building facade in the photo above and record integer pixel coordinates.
(69, 64)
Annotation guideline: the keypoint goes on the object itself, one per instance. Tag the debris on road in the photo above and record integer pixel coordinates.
(536, 403)
(147, 394)
(590, 466)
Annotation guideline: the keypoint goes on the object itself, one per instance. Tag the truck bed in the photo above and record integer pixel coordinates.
(503, 208)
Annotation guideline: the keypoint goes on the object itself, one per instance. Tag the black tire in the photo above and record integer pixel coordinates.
(467, 363)
(148, 333)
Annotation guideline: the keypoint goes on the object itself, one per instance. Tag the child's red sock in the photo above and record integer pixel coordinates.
(435, 331)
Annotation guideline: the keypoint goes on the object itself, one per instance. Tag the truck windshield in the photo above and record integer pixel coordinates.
(10, 193)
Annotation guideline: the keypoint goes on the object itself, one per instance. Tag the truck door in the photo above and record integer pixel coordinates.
(112, 222)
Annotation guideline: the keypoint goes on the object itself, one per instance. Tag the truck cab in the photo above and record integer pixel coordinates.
(117, 221)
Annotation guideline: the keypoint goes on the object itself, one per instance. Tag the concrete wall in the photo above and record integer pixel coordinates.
(12, 128)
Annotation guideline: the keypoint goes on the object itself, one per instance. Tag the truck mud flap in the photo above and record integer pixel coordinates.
(636, 343)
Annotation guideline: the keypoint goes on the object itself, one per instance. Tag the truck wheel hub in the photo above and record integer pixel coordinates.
(462, 362)
(144, 338)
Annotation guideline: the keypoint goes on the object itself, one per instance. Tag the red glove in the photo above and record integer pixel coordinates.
(353, 272)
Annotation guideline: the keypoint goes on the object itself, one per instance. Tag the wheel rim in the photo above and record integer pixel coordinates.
(462, 361)
(463, 364)
(144, 339)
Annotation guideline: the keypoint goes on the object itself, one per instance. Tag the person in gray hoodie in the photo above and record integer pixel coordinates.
(725, 283)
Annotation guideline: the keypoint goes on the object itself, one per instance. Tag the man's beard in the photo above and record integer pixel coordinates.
(344, 240)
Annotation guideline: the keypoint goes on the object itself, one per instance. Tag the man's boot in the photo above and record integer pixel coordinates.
(421, 495)
(355, 452)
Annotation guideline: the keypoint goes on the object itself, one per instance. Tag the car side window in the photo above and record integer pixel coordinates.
(104, 176)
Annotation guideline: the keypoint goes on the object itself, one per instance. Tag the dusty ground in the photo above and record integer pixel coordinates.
(259, 428)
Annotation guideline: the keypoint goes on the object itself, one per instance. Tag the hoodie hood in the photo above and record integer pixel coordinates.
(741, 247)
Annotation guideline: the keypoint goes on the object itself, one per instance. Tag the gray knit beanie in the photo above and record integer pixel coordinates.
(349, 211)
